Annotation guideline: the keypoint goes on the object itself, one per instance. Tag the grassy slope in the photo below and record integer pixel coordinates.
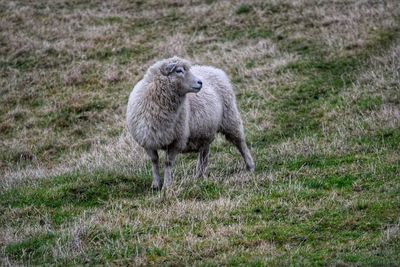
(317, 84)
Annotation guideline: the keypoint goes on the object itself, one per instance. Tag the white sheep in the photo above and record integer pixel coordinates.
(179, 109)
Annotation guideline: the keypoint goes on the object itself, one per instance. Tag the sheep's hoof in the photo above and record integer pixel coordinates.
(250, 168)
(155, 186)
(199, 176)
(167, 184)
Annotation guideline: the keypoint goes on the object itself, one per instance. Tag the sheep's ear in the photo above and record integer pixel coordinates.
(167, 68)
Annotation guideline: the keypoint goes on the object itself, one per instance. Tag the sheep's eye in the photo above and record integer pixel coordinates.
(179, 71)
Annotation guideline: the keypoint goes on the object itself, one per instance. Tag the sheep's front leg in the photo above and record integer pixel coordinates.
(202, 162)
(153, 154)
(169, 164)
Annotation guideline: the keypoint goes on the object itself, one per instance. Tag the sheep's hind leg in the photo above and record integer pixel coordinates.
(238, 140)
(153, 154)
(169, 164)
(202, 162)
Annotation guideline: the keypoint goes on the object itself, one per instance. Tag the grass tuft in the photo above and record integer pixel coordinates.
(243, 9)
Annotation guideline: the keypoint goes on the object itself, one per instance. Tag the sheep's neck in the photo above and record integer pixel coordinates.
(167, 99)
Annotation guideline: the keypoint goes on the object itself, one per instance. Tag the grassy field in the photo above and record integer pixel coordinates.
(318, 86)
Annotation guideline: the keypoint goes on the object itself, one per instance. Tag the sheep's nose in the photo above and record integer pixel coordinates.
(200, 83)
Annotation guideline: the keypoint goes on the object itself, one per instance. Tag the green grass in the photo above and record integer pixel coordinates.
(30, 249)
(61, 196)
(319, 109)
(243, 9)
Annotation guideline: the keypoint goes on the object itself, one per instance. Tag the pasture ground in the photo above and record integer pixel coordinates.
(318, 86)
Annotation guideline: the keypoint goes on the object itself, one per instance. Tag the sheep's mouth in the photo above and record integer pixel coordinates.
(196, 88)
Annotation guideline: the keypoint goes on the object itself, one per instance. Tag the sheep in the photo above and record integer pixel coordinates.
(180, 108)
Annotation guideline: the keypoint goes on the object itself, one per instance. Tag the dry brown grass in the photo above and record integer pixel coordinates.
(76, 34)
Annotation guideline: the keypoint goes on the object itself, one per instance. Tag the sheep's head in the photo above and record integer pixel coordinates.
(178, 74)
